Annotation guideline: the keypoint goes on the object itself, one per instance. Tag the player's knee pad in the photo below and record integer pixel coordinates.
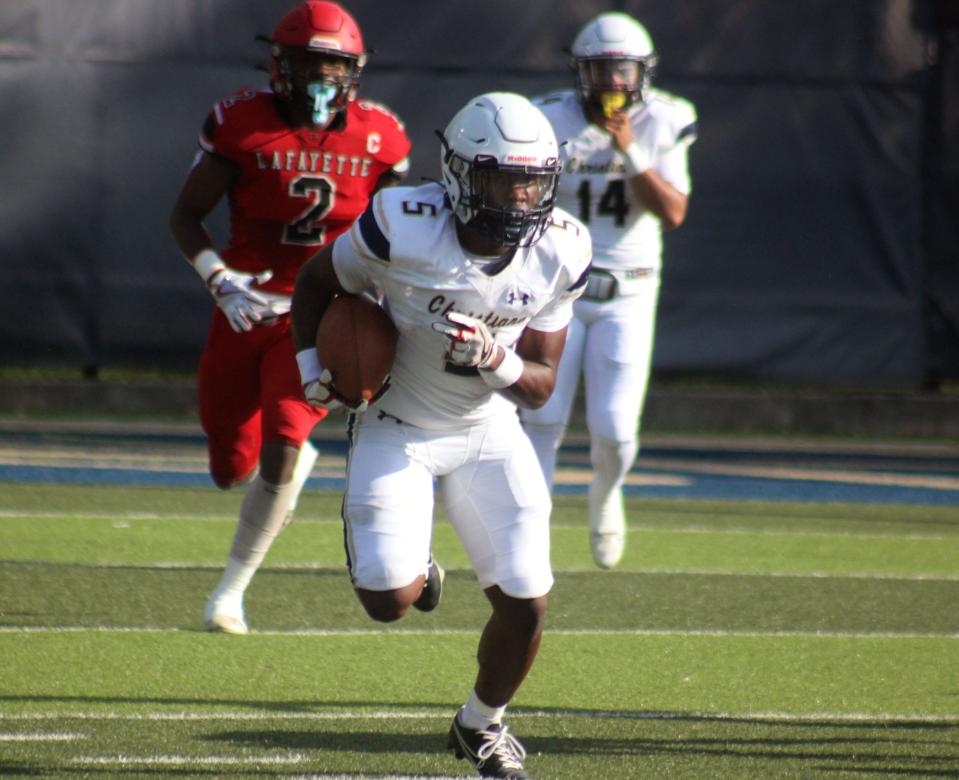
(612, 460)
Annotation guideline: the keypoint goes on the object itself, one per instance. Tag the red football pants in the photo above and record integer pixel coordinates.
(250, 393)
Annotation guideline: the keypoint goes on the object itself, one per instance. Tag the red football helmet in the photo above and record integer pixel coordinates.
(316, 57)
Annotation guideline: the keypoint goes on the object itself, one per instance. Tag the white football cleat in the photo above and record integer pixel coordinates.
(607, 548)
(225, 616)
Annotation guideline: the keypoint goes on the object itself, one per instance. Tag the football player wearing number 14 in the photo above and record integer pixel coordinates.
(627, 178)
(298, 164)
(479, 275)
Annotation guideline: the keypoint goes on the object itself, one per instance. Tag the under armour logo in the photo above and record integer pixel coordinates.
(513, 296)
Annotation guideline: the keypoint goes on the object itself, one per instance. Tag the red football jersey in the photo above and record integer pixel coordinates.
(298, 189)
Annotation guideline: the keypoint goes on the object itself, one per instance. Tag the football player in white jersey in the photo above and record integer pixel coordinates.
(479, 274)
(626, 177)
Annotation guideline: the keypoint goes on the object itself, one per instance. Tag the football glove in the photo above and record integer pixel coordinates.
(320, 392)
(233, 293)
(471, 343)
(317, 381)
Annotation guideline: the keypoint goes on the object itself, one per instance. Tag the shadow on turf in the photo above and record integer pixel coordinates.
(880, 747)
(847, 753)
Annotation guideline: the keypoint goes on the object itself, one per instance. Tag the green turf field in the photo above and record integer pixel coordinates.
(737, 640)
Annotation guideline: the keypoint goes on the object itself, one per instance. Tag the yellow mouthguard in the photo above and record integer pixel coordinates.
(612, 103)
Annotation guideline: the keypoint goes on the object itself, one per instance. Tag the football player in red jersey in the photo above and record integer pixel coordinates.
(298, 164)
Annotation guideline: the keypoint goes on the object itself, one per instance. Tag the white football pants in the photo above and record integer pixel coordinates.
(492, 489)
(611, 343)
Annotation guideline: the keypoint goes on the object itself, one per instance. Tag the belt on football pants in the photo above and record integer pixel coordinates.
(602, 285)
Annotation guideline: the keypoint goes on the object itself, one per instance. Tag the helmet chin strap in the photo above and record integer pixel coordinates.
(322, 95)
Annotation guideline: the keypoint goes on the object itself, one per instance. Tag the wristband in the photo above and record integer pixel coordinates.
(507, 373)
(309, 364)
(207, 263)
(637, 161)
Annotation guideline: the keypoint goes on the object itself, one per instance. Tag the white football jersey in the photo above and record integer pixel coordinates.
(593, 184)
(405, 246)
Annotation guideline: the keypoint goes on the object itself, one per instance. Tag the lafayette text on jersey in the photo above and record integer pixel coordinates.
(594, 187)
(298, 188)
(405, 245)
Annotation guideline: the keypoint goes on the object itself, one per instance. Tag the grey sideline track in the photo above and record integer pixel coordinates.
(724, 467)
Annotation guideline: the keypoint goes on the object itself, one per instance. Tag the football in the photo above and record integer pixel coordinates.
(356, 341)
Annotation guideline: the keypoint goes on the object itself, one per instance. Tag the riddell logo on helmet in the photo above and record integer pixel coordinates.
(521, 158)
(319, 42)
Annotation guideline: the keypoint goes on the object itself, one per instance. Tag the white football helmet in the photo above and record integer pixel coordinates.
(613, 59)
(500, 163)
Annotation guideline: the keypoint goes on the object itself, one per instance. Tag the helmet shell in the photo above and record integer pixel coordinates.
(500, 131)
(319, 25)
(612, 35)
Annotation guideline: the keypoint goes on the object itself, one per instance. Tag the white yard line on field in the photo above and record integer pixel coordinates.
(167, 760)
(231, 518)
(290, 759)
(40, 737)
(844, 476)
(415, 632)
(515, 713)
(634, 528)
(337, 566)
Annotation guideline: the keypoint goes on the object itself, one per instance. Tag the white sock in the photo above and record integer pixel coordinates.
(611, 461)
(301, 471)
(233, 583)
(265, 512)
(479, 716)
(546, 440)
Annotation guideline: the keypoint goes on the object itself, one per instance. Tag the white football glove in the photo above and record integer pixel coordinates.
(471, 343)
(317, 382)
(243, 306)
(320, 392)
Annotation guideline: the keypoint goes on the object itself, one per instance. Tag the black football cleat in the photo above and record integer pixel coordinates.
(493, 750)
(432, 588)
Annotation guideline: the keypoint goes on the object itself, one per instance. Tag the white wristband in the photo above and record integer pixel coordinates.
(507, 373)
(309, 365)
(207, 263)
(637, 161)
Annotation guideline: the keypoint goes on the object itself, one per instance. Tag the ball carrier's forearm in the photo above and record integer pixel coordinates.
(526, 373)
(540, 353)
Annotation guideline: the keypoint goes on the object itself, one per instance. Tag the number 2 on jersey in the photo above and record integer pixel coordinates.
(307, 228)
(612, 203)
